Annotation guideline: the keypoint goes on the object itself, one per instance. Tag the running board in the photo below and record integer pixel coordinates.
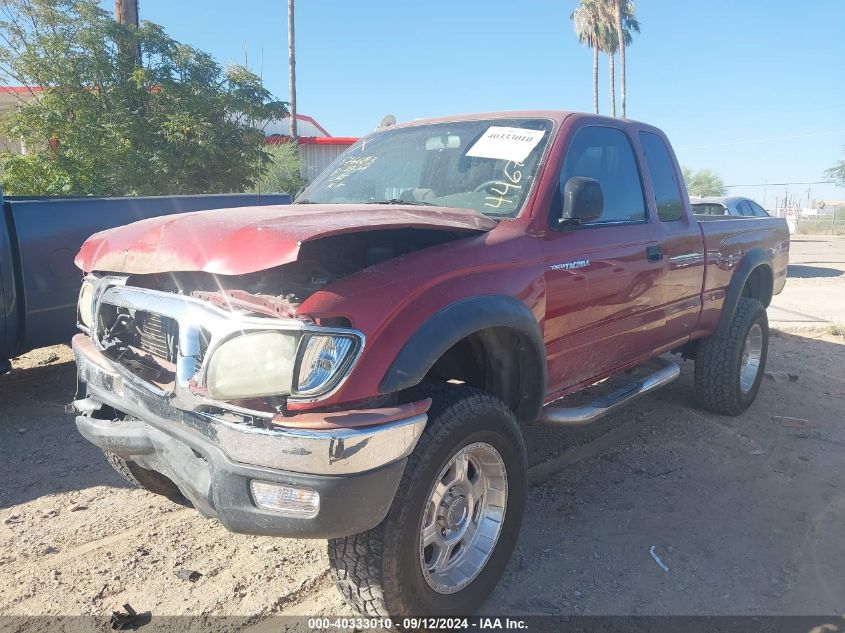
(665, 371)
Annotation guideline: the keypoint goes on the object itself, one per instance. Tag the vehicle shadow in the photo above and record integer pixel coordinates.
(743, 511)
(41, 452)
(800, 271)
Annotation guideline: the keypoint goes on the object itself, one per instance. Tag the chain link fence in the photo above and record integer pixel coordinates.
(822, 222)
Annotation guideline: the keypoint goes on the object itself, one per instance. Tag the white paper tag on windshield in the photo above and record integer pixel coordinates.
(506, 143)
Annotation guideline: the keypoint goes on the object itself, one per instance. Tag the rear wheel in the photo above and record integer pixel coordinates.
(454, 521)
(729, 367)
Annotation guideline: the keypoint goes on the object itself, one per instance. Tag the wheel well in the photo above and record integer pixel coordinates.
(759, 285)
(499, 360)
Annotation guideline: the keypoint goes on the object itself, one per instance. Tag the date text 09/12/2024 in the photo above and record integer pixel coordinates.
(424, 623)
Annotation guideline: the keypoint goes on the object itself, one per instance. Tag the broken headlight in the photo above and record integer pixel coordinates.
(324, 359)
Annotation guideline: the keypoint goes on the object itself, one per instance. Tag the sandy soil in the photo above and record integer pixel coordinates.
(747, 513)
(814, 295)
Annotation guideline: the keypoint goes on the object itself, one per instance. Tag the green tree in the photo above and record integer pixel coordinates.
(594, 22)
(282, 174)
(108, 123)
(622, 10)
(837, 173)
(610, 42)
(589, 26)
(704, 182)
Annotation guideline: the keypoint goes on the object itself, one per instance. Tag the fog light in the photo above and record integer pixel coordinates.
(296, 502)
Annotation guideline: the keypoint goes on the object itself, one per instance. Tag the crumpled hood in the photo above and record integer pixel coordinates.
(248, 239)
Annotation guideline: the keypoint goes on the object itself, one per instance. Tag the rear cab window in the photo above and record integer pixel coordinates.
(709, 209)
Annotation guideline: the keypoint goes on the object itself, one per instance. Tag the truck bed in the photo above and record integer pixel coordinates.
(727, 239)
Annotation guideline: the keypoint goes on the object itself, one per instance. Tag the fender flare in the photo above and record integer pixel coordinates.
(461, 319)
(753, 259)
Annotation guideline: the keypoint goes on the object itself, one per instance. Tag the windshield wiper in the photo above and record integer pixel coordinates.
(400, 201)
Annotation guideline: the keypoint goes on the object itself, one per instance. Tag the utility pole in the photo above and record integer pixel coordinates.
(294, 137)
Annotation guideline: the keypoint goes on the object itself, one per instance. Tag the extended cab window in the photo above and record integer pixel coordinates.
(605, 154)
(667, 192)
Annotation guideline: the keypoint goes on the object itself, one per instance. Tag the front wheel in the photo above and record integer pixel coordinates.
(148, 479)
(729, 366)
(454, 521)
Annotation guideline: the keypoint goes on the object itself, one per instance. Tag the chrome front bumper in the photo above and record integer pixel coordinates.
(337, 451)
(355, 471)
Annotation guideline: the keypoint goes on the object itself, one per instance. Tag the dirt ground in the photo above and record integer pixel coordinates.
(815, 292)
(746, 513)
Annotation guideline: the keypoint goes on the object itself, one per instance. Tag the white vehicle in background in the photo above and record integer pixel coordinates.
(727, 206)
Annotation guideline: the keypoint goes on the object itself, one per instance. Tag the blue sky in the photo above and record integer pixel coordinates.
(754, 89)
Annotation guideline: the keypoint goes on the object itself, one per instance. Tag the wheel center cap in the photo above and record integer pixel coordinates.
(456, 512)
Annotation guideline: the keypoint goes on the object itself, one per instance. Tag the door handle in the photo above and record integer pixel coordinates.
(654, 253)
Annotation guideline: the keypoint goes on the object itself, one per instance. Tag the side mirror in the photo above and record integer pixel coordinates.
(583, 201)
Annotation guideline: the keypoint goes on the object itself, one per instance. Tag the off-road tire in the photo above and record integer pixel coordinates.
(148, 479)
(719, 358)
(378, 572)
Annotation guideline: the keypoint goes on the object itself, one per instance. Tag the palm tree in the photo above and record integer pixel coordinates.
(625, 23)
(610, 41)
(292, 73)
(589, 27)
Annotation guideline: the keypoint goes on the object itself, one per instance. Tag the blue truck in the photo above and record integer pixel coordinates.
(40, 236)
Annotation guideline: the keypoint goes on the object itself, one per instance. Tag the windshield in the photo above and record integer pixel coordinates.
(488, 166)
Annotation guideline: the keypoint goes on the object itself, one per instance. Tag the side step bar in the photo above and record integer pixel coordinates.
(665, 371)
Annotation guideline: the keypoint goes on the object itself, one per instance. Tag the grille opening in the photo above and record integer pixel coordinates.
(143, 342)
(156, 335)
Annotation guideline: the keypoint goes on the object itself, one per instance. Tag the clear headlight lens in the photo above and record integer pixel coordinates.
(85, 306)
(252, 365)
(324, 358)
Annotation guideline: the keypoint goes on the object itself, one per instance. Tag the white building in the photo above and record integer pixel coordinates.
(317, 148)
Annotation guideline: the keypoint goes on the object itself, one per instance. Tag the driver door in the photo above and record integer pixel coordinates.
(601, 276)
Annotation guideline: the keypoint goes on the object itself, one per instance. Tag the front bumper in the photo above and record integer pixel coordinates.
(356, 471)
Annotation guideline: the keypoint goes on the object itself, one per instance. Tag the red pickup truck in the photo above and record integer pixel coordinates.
(358, 366)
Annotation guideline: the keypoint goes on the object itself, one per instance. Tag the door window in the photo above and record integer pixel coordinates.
(667, 192)
(759, 212)
(744, 209)
(605, 154)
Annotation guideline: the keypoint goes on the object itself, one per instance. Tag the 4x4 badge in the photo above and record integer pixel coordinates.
(578, 263)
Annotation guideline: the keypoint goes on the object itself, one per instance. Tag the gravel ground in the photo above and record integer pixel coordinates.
(747, 513)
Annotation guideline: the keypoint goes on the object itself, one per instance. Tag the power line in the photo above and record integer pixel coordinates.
(783, 184)
(764, 140)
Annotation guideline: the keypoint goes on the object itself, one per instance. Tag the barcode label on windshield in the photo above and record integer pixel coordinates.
(506, 143)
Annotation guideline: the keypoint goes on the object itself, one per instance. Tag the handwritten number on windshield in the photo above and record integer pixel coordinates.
(503, 187)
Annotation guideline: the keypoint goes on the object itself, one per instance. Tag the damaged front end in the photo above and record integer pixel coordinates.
(194, 384)
(220, 350)
(238, 344)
